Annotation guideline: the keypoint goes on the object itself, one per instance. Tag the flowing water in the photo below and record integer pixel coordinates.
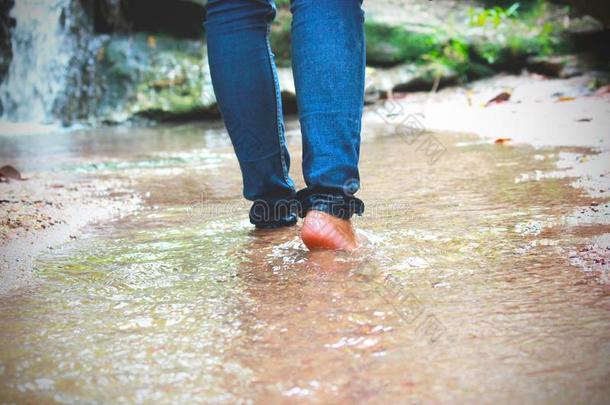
(463, 292)
(42, 50)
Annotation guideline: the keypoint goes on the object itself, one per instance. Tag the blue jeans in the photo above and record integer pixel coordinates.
(328, 61)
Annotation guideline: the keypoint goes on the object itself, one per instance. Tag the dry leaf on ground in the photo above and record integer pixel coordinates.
(500, 98)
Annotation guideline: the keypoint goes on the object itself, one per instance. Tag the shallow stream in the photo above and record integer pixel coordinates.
(464, 291)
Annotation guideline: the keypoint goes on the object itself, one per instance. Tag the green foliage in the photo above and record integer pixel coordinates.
(153, 74)
(548, 39)
(494, 16)
(280, 37)
(506, 39)
(454, 56)
(282, 3)
(389, 45)
(499, 36)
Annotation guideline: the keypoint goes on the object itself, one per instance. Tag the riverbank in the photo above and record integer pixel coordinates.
(510, 110)
(47, 210)
(526, 108)
(50, 209)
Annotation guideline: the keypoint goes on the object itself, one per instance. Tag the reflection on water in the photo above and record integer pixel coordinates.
(463, 291)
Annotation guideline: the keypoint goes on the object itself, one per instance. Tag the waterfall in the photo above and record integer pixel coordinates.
(42, 51)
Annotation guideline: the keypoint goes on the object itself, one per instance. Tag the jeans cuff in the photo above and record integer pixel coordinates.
(338, 204)
(274, 214)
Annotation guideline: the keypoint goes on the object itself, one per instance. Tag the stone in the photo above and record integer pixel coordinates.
(156, 77)
(388, 45)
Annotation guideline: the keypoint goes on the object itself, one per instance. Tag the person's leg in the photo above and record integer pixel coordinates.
(247, 90)
(328, 58)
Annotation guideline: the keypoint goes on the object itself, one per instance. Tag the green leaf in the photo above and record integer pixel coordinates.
(512, 10)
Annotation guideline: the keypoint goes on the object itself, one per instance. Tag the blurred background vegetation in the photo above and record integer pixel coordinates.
(114, 61)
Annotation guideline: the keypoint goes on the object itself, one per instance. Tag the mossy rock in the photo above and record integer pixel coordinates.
(470, 45)
(388, 45)
(407, 78)
(385, 45)
(511, 49)
(155, 76)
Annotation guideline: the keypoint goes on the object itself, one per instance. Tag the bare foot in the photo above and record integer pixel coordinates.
(324, 231)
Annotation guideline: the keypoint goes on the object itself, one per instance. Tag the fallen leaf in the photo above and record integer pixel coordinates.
(500, 98)
(585, 120)
(502, 141)
(9, 172)
(152, 41)
(564, 99)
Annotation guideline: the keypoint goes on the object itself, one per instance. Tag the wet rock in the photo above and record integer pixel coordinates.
(553, 66)
(597, 8)
(454, 36)
(157, 77)
(107, 15)
(566, 66)
(141, 59)
(388, 45)
(407, 78)
(9, 172)
(563, 66)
